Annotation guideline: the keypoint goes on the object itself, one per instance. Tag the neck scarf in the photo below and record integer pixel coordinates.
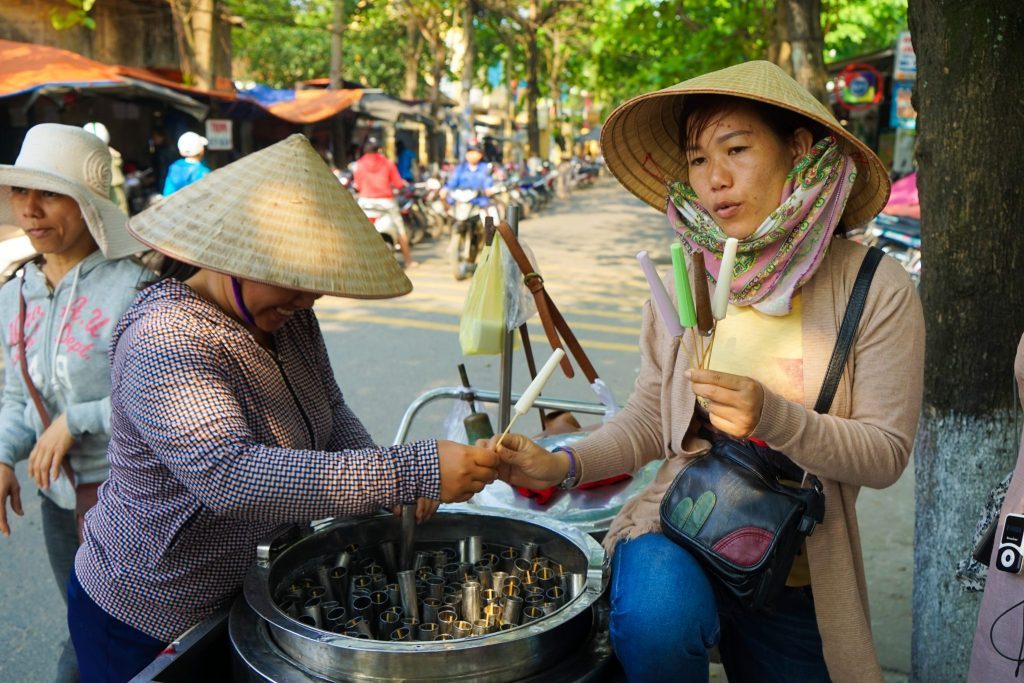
(786, 250)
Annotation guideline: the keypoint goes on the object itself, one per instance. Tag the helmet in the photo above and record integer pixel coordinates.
(99, 130)
(191, 144)
(372, 144)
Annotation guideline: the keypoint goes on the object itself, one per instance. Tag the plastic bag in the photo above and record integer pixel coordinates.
(519, 303)
(483, 315)
(61, 492)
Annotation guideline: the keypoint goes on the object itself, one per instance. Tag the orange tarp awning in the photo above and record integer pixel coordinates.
(310, 106)
(24, 67)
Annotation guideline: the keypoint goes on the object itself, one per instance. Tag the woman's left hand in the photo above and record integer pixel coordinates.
(425, 509)
(734, 401)
(51, 448)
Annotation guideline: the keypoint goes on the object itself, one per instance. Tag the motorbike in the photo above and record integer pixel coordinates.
(899, 237)
(140, 190)
(381, 220)
(467, 238)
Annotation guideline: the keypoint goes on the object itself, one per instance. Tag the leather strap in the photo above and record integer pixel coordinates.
(555, 326)
(37, 399)
(848, 329)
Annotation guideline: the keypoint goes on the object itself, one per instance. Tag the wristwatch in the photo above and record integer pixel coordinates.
(571, 476)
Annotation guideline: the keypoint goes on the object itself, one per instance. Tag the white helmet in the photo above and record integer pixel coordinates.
(99, 130)
(191, 144)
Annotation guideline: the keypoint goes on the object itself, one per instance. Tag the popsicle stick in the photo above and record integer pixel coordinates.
(510, 423)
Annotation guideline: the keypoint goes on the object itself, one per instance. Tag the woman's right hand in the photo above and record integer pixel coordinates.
(9, 488)
(465, 470)
(524, 463)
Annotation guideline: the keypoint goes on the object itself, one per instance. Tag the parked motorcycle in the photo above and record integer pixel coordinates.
(899, 237)
(380, 217)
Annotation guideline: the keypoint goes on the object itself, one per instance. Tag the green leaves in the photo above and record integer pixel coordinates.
(689, 517)
(78, 16)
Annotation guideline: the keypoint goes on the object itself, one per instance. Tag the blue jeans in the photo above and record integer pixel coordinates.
(109, 650)
(665, 617)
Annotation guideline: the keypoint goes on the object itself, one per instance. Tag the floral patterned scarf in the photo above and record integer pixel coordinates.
(782, 254)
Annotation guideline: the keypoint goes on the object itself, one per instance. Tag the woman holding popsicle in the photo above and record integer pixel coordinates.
(753, 172)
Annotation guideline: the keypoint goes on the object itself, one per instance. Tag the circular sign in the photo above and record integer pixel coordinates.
(859, 87)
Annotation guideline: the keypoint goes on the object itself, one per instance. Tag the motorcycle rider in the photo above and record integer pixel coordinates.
(376, 178)
(472, 174)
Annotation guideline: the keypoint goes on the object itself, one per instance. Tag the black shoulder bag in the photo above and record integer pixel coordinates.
(730, 508)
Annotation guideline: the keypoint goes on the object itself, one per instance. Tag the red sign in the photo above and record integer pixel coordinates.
(859, 87)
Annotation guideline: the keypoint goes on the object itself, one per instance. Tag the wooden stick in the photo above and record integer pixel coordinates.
(515, 416)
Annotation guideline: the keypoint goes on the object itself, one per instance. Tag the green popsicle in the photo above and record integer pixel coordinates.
(684, 299)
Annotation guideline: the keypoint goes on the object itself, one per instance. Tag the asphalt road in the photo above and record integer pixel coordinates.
(387, 353)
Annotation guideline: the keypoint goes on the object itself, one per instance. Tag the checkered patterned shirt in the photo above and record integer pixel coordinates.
(214, 443)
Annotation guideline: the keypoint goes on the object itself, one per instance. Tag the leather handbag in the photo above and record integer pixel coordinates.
(733, 508)
(86, 495)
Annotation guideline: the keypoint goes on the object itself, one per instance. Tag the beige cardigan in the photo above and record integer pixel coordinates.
(865, 440)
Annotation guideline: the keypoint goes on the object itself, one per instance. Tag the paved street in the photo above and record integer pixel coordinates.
(386, 353)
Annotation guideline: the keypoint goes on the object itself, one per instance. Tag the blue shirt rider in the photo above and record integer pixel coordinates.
(471, 174)
(190, 167)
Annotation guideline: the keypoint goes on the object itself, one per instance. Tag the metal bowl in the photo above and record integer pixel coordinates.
(520, 653)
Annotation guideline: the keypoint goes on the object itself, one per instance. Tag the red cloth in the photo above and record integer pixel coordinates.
(375, 177)
(542, 496)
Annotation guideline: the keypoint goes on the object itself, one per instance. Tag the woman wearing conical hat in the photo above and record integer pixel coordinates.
(747, 153)
(227, 421)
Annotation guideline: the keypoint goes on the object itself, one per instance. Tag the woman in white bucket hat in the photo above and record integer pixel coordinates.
(57, 317)
(227, 420)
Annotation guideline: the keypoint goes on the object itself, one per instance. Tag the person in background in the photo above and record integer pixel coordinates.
(376, 179)
(117, 193)
(227, 419)
(472, 174)
(190, 168)
(58, 316)
(406, 161)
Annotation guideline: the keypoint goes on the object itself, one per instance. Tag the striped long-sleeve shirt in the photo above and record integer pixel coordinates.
(214, 442)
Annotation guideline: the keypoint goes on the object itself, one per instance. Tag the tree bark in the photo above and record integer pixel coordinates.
(468, 13)
(337, 34)
(202, 32)
(970, 152)
(413, 50)
(532, 126)
(807, 43)
(779, 49)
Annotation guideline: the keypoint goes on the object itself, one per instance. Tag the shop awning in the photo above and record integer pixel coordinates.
(311, 106)
(52, 72)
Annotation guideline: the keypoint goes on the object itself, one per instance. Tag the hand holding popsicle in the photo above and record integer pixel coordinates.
(525, 402)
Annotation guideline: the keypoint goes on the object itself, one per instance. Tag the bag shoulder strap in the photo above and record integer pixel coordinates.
(848, 329)
(550, 317)
(29, 385)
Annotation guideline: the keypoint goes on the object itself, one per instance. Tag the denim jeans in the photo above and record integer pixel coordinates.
(109, 650)
(60, 533)
(665, 617)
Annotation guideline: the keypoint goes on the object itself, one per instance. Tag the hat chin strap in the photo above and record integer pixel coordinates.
(236, 289)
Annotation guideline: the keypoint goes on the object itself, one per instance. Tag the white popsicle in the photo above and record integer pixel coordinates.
(525, 402)
(720, 303)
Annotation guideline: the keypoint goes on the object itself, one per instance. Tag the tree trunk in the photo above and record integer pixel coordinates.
(202, 32)
(337, 33)
(780, 51)
(533, 129)
(468, 12)
(436, 70)
(970, 152)
(807, 43)
(413, 50)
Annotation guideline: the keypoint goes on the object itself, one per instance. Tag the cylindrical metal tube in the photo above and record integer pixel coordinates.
(507, 558)
(344, 558)
(528, 550)
(397, 609)
(535, 600)
(407, 592)
(322, 574)
(306, 620)
(378, 579)
(335, 616)
(511, 591)
(394, 594)
(466, 572)
(474, 549)
(389, 554)
(498, 580)
(357, 634)
(431, 606)
(290, 607)
(462, 629)
(545, 577)
(446, 619)
(445, 636)
(422, 559)
(541, 562)
(480, 627)
(490, 559)
(471, 601)
(401, 634)
(513, 610)
(427, 632)
(379, 601)
(435, 587)
(386, 624)
(439, 560)
(532, 614)
(311, 608)
(506, 627)
(362, 606)
(492, 613)
(451, 572)
(317, 592)
(484, 573)
(489, 596)
(408, 536)
(556, 595)
(360, 625)
(521, 568)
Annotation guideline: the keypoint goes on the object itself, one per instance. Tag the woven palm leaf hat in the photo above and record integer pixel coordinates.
(641, 146)
(280, 217)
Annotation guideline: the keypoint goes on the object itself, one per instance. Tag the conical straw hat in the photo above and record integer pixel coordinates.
(277, 216)
(641, 146)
